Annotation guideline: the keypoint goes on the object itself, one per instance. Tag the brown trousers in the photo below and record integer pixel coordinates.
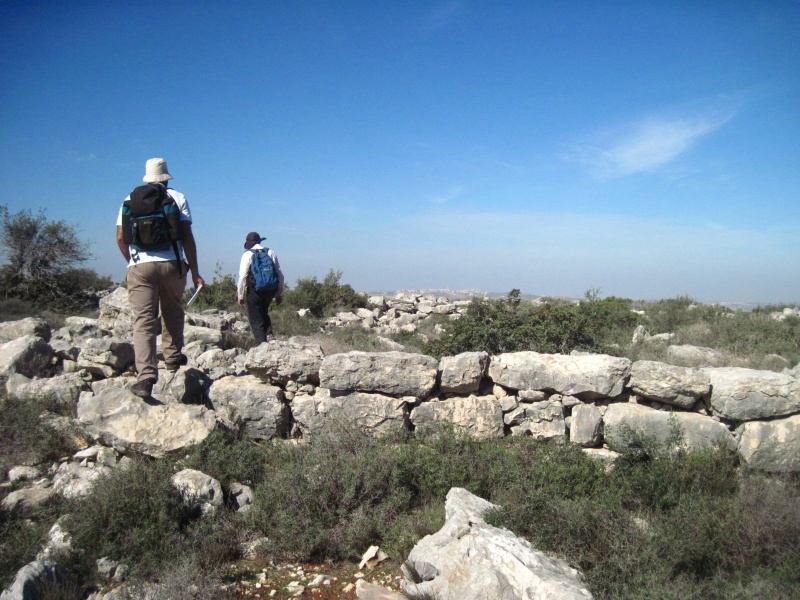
(152, 284)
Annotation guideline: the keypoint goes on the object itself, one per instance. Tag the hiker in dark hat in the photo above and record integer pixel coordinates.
(260, 282)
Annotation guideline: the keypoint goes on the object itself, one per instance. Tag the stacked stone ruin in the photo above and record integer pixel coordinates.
(291, 389)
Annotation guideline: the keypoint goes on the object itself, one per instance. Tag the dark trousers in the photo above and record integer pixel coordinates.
(258, 313)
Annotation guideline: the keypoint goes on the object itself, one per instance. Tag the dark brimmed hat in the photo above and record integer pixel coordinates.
(252, 239)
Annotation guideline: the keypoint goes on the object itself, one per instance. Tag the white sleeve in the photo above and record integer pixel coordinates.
(183, 205)
(244, 269)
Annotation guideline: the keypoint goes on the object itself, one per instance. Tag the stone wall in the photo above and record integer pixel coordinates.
(291, 389)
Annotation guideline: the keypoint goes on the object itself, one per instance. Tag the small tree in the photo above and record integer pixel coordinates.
(324, 297)
(38, 255)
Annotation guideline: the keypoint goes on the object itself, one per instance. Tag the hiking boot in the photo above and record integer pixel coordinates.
(174, 366)
(144, 388)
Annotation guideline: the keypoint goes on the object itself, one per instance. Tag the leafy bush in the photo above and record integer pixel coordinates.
(229, 456)
(661, 524)
(325, 297)
(185, 579)
(135, 515)
(509, 325)
(22, 536)
(27, 440)
(286, 322)
(331, 499)
(750, 338)
(220, 294)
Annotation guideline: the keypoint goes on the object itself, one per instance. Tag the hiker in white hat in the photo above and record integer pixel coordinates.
(154, 234)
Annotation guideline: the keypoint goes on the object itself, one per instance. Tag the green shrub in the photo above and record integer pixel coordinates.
(661, 524)
(22, 536)
(551, 326)
(41, 266)
(331, 499)
(219, 294)
(185, 579)
(667, 525)
(135, 515)
(287, 323)
(325, 297)
(27, 440)
(229, 457)
(751, 338)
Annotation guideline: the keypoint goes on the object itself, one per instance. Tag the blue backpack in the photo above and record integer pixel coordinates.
(262, 269)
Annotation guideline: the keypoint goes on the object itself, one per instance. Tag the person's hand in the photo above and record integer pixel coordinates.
(198, 281)
(279, 299)
(240, 302)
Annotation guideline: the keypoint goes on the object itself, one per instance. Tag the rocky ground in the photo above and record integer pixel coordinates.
(319, 581)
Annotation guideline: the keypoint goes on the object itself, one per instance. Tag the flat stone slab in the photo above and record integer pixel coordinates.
(586, 376)
(127, 423)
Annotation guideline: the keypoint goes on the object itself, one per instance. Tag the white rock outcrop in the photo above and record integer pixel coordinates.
(467, 559)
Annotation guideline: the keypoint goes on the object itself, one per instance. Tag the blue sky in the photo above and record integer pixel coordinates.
(645, 149)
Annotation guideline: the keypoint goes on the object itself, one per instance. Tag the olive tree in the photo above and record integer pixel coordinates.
(41, 257)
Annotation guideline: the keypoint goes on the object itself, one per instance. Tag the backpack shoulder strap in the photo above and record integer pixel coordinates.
(166, 198)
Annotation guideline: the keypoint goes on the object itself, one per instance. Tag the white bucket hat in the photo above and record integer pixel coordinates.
(155, 171)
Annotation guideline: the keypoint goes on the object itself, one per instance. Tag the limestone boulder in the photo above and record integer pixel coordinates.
(393, 373)
(480, 416)
(199, 491)
(187, 385)
(679, 386)
(322, 413)
(35, 579)
(696, 430)
(281, 362)
(63, 389)
(106, 357)
(75, 480)
(586, 426)
(68, 341)
(247, 401)
(27, 501)
(11, 330)
(743, 394)
(28, 355)
(587, 376)
(462, 374)
(213, 319)
(467, 559)
(698, 356)
(116, 315)
(117, 418)
(538, 419)
(213, 359)
(771, 445)
(204, 335)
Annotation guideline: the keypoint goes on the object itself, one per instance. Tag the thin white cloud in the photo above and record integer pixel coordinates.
(448, 196)
(442, 14)
(648, 144)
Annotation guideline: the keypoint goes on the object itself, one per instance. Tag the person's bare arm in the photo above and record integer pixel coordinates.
(190, 249)
(123, 247)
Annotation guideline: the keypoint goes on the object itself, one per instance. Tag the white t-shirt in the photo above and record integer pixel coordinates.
(143, 256)
(244, 269)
